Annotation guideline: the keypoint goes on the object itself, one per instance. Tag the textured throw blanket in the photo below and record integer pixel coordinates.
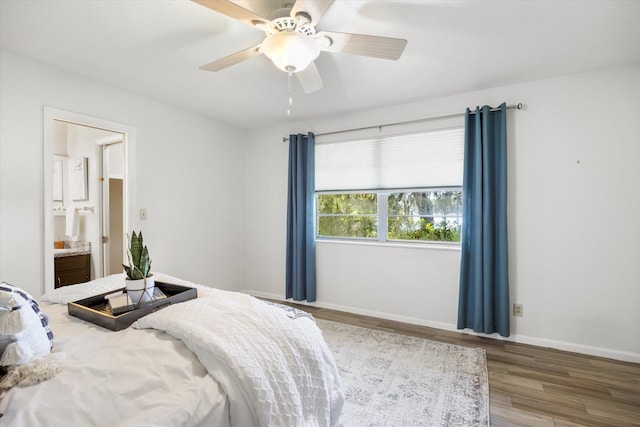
(275, 367)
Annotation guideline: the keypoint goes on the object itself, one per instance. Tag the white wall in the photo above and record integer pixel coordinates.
(573, 210)
(189, 176)
(60, 139)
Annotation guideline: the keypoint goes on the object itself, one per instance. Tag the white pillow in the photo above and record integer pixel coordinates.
(24, 327)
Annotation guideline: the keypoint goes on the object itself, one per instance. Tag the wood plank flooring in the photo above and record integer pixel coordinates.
(534, 386)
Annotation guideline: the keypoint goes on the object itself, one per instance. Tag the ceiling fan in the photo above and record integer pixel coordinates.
(292, 42)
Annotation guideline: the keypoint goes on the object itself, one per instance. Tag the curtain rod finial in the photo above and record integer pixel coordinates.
(519, 106)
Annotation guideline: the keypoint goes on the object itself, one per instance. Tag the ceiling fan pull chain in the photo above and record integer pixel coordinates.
(289, 92)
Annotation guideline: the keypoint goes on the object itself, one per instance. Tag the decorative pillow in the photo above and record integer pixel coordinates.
(24, 330)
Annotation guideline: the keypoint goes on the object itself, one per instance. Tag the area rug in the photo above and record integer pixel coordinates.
(394, 380)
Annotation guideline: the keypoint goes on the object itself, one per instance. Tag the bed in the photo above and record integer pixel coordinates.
(222, 359)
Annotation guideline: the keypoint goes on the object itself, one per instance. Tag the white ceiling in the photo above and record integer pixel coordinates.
(154, 48)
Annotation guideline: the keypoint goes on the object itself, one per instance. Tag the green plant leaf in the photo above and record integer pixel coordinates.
(138, 256)
(145, 262)
(135, 247)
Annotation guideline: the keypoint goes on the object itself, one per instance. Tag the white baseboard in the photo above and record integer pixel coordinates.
(523, 339)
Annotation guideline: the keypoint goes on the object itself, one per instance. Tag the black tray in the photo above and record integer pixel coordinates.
(96, 310)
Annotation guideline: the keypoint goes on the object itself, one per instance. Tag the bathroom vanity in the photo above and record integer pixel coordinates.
(71, 266)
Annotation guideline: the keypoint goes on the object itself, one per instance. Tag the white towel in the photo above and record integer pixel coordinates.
(73, 222)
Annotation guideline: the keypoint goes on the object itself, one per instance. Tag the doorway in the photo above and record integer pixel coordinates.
(112, 191)
(105, 150)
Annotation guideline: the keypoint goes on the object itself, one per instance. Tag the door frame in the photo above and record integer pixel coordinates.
(52, 114)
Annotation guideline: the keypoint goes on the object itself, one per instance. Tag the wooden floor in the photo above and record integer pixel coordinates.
(535, 386)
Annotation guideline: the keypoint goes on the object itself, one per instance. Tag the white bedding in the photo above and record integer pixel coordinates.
(281, 364)
(127, 378)
(145, 377)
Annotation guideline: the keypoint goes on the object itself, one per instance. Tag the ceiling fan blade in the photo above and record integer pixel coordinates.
(314, 8)
(310, 79)
(232, 59)
(261, 7)
(361, 44)
(232, 10)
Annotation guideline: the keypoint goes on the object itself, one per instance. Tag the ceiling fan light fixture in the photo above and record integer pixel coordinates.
(290, 51)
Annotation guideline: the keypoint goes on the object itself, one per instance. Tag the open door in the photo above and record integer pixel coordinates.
(112, 181)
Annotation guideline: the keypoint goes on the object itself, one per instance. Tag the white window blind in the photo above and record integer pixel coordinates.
(427, 159)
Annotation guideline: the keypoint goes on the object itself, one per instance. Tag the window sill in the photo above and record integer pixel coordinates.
(408, 245)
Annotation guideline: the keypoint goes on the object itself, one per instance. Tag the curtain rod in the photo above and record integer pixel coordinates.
(517, 106)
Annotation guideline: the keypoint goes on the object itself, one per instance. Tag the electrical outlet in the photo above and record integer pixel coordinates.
(517, 310)
(143, 214)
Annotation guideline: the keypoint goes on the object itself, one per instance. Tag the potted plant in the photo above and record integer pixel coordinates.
(140, 282)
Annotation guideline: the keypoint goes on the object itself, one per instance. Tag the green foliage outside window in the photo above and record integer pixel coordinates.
(409, 228)
(415, 216)
(348, 215)
(429, 215)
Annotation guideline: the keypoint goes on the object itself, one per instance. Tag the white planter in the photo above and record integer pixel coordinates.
(140, 290)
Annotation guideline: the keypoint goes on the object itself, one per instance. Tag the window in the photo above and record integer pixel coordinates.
(400, 188)
(425, 215)
(348, 215)
(422, 215)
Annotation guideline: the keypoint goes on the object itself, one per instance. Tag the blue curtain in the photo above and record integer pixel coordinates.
(301, 246)
(484, 275)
